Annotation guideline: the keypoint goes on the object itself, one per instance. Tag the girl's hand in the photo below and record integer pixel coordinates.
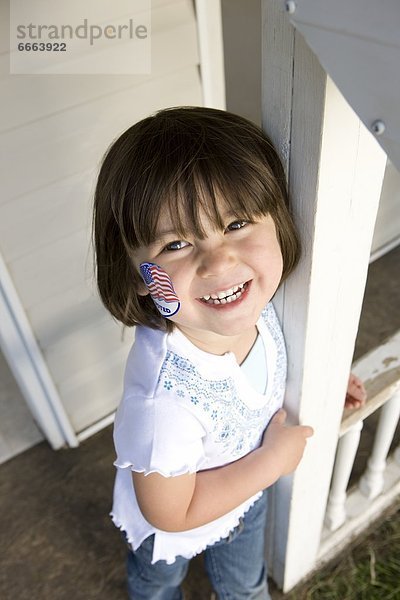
(286, 443)
(356, 394)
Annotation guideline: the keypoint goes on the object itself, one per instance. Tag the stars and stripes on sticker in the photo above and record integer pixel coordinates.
(161, 289)
(158, 282)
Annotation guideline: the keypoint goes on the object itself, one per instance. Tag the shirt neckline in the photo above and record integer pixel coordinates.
(214, 362)
(178, 339)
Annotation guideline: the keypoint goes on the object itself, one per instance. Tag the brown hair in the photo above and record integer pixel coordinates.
(181, 159)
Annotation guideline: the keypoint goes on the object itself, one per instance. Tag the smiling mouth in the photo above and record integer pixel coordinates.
(226, 296)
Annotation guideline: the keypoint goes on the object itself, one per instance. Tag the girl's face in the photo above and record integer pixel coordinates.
(223, 281)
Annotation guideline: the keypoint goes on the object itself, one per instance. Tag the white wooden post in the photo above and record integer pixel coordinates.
(335, 171)
(371, 483)
(345, 455)
(211, 50)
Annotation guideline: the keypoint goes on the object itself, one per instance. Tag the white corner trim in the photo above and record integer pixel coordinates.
(379, 252)
(96, 427)
(211, 50)
(29, 368)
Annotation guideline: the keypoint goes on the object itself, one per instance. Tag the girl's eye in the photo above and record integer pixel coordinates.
(175, 245)
(235, 225)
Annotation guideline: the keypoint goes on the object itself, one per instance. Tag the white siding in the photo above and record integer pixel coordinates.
(54, 131)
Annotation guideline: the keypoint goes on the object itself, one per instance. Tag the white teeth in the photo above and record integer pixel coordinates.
(226, 293)
(226, 296)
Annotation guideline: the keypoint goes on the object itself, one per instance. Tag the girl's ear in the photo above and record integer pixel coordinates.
(140, 285)
(141, 288)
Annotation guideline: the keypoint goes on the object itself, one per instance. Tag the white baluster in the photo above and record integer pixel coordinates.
(371, 483)
(345, 455)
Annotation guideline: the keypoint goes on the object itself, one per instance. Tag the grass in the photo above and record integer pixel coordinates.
(369, 570)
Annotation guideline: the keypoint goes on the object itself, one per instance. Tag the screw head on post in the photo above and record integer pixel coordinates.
(378, 127)
(290, 6)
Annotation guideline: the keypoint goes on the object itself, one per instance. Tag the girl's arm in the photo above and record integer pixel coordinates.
(188, 501)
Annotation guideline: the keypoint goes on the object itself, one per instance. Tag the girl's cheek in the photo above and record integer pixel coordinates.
(161, 289)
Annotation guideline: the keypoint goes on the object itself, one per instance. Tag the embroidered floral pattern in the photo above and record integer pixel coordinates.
(270, 319)
(233, 425)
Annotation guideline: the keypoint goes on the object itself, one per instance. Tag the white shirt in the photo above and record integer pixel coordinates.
(184, 410)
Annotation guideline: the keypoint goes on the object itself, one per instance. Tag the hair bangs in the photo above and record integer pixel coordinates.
(211, 188)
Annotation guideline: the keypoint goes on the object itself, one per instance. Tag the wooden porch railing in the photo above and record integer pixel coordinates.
(350, 511)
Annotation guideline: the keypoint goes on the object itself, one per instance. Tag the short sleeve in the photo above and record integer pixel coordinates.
(158, 436)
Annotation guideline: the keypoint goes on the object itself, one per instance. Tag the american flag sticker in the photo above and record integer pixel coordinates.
(161, 289)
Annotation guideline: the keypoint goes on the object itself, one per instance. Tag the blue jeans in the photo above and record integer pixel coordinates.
(235, 565)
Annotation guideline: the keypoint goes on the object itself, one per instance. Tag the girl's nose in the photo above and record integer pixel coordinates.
(216, 261)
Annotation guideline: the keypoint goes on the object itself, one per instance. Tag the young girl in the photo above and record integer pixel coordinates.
(193, 236)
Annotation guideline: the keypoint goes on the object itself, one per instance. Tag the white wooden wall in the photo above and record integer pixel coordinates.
(53, 133)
